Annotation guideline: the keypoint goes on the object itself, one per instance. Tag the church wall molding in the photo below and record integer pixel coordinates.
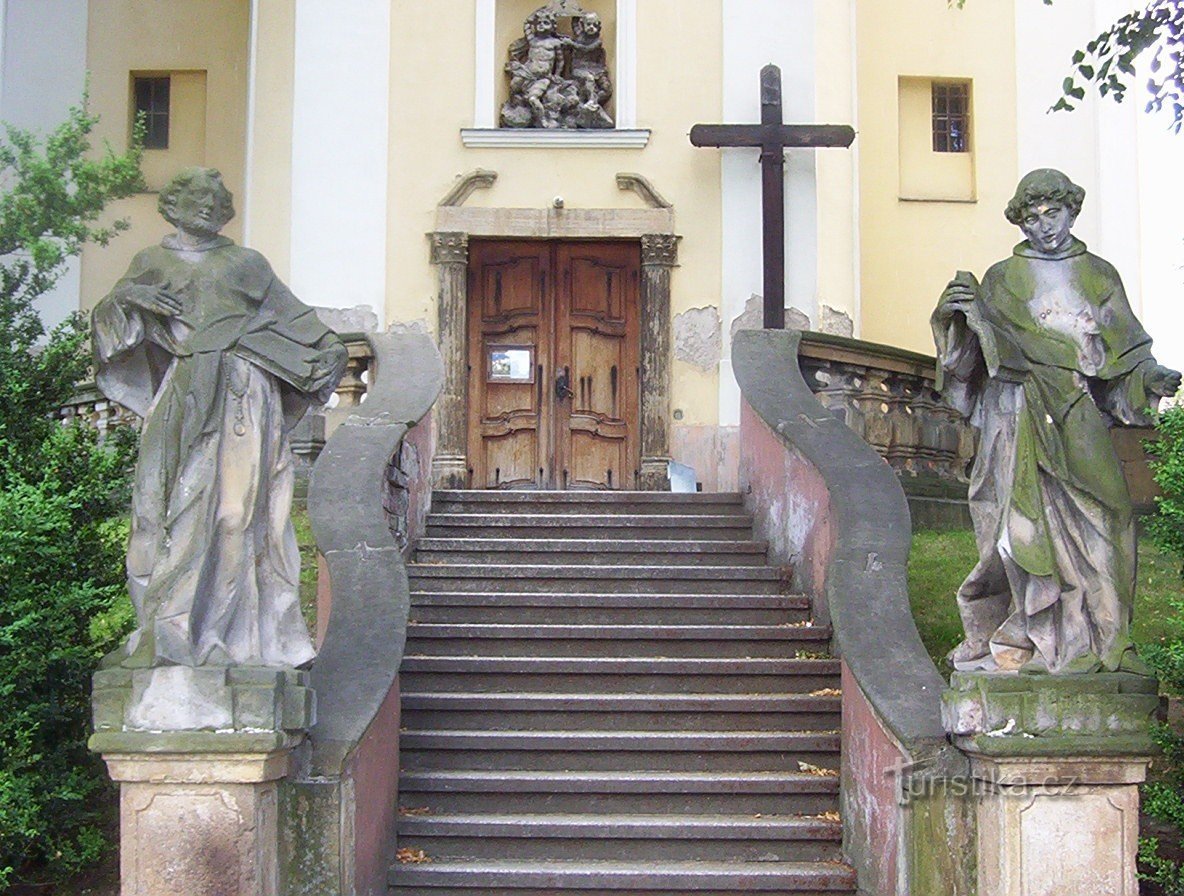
(641, 185)
(467, 184)
(553, 223)
(538, 138)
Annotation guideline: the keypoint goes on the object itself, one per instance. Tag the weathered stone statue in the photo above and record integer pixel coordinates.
(557, 81)
(202, 340)
(1043, 356)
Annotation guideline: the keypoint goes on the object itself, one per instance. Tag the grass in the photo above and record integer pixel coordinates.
(308, 565)
(939, 561)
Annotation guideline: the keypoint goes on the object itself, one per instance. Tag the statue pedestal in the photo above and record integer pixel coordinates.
(199, 754)
(1056, 763)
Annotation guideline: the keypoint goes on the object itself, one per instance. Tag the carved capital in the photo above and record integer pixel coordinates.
(449, 247)
(659, 249)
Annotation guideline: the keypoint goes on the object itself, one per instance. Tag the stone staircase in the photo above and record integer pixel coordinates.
(609, 693)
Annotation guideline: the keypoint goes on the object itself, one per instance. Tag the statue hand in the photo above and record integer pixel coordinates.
(1163, 381)
(153, 299)
(958, 296)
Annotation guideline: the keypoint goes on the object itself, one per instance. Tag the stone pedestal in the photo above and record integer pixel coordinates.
(199, 754)
(1056, 763)
(1052, 826)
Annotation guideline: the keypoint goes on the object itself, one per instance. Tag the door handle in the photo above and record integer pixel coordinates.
(563, 385)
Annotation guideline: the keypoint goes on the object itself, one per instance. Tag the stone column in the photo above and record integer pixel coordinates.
(659, 254)
(1056, 763)
(199, 754)
(450, 254)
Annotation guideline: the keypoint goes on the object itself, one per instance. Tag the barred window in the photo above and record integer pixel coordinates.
(951, 117)
(152, 102)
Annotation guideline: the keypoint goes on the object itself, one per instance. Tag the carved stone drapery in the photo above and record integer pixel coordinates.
(450, 255)
(659, 254)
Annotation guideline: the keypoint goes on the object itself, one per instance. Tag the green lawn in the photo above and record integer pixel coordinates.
(939, 561)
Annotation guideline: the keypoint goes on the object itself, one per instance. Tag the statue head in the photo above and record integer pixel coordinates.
(197, 201)
(544, 22)
(587, 26)
(1044, 207)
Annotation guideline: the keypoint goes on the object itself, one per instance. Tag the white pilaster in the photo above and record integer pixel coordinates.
(249, 161)
(485, 94)
(340, 140)
(626, 74)
(755, 33)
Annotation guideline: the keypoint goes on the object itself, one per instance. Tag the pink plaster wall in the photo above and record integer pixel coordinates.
(790, 504)
(375, 773)
(871, 806)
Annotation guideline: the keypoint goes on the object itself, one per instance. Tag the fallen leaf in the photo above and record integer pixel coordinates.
(411, 856)
(816, 771)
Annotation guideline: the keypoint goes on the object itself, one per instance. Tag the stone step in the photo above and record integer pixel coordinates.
(720, 838)
(440, 639)
(600, 675)
(749, 793)
(582, 578)
(480, 877)
(593, 525)
(601, 552)
(607, 609)
(618, 750)
(649, 712)
(515, 502)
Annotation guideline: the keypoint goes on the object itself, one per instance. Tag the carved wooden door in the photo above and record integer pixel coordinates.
(553, 364)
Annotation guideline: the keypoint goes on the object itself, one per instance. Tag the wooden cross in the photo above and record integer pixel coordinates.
(773, 137)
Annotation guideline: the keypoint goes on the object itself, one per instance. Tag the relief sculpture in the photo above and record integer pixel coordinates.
(557, 80)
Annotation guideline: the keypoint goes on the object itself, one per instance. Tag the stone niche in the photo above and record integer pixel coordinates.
(510, 18)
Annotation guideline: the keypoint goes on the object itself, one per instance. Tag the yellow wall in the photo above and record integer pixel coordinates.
(158, 36)
(910, 249)
(427, 155)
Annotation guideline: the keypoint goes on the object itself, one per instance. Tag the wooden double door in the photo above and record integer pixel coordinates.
(553, 364)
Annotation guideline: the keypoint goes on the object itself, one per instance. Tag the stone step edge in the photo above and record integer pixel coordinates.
(626, 702)
(619, 665)
(584, 571)
(592, 631)
(590, 600)
(615, 782)
(620, 826)
(447, 543)
(647, 875)
(613, 520)
(642, 741)
(487, 496)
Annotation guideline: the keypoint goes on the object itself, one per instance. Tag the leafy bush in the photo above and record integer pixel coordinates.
(61, 497)
(1163, 799)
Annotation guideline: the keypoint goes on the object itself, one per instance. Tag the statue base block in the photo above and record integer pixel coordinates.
(1009, 714)
(198, 754)
(1055, 765)
(240, 699)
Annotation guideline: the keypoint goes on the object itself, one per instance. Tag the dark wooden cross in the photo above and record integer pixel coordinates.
(773, 137)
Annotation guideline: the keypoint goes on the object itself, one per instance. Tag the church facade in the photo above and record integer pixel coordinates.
(584, 283)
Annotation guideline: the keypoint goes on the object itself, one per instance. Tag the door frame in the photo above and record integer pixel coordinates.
(653, 228)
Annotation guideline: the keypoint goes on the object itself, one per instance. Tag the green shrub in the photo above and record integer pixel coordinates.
(62, 494)
(1163, 799)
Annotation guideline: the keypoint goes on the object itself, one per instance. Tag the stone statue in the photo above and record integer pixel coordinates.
(204, 342)
(1042, 357)
(558, 81)
(589, 69)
